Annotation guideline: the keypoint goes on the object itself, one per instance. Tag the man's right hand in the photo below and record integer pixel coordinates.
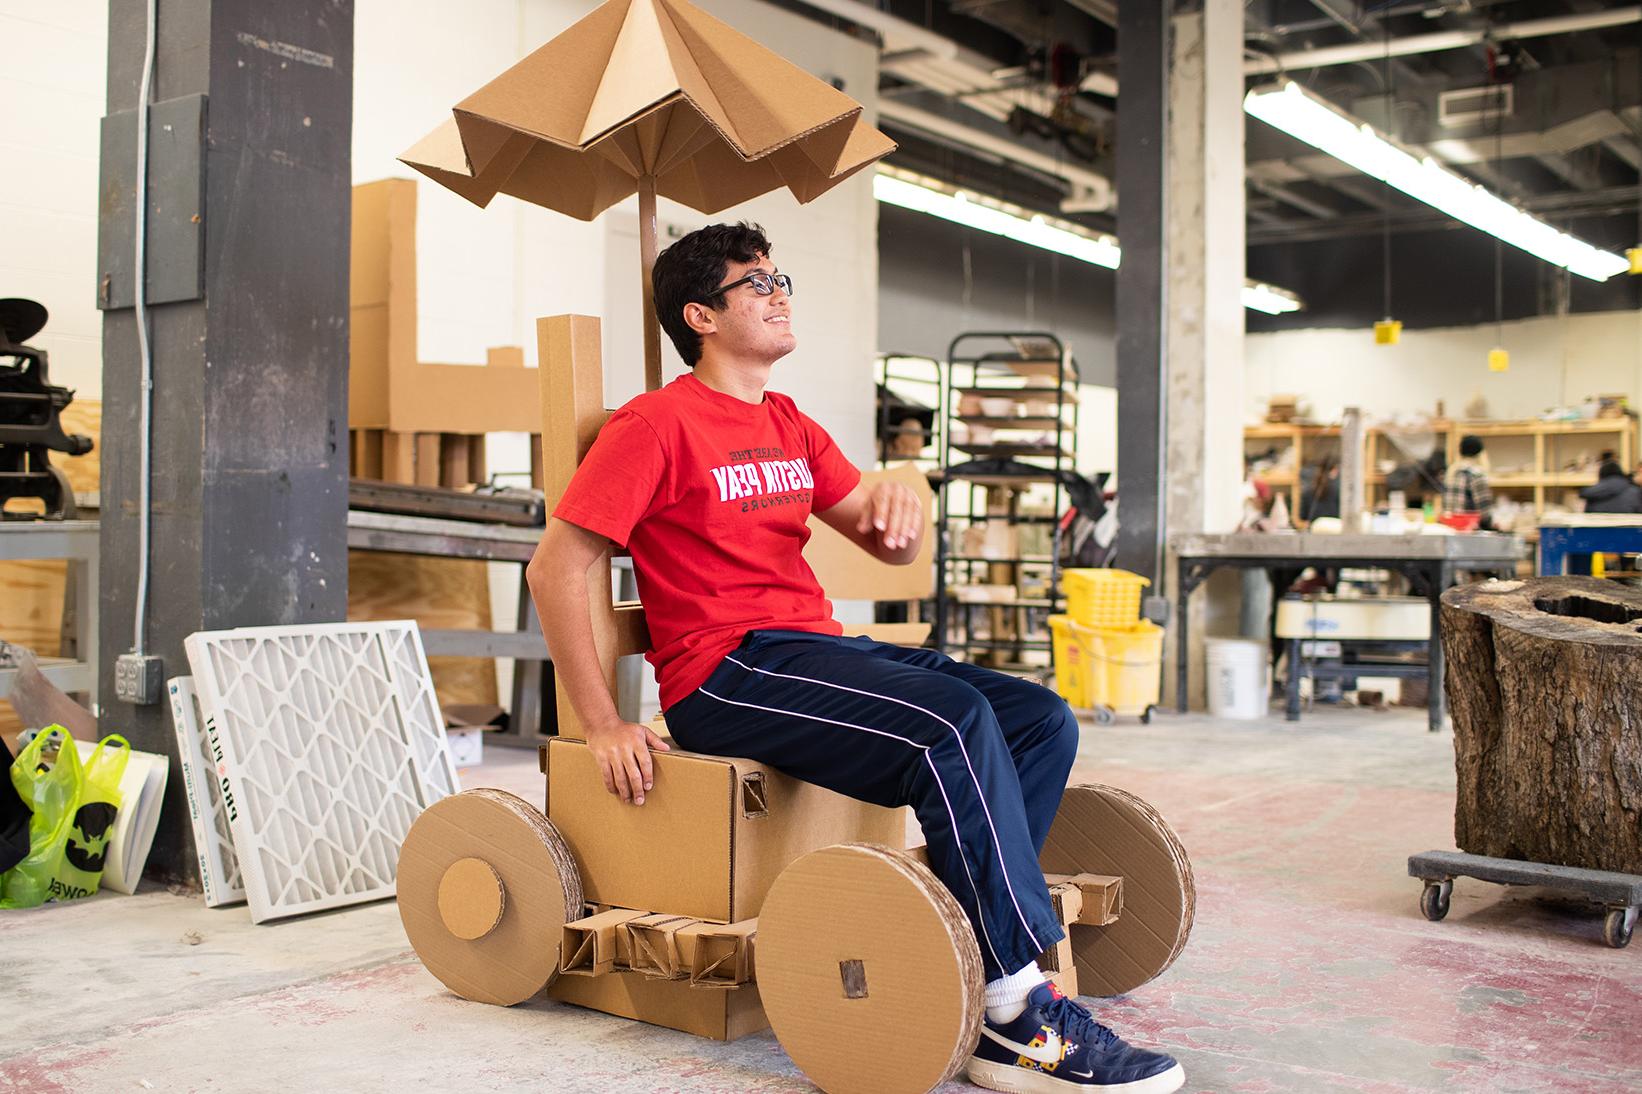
(623, 751)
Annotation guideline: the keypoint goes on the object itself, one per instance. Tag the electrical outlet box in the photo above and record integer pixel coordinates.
(138, 678)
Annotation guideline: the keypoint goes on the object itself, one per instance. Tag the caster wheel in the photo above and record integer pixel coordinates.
(1146, 716)
(1104, 830)
(909, 1009)
(1105, 716)
(1434, 899)
(486, 885)
(1617, 928)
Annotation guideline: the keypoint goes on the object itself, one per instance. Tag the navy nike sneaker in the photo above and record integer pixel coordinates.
(1056, 1047)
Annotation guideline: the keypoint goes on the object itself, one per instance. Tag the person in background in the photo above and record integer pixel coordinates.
(1465, 488)
(1614, 491)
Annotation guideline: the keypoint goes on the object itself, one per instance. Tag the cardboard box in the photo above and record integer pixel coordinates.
(720, 1015)
(721, 955)
(388, 387)
(710, 838)
(590, 945)
(1099, 899)
(655, 947)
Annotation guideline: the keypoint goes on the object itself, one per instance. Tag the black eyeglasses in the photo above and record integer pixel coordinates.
(763, 284)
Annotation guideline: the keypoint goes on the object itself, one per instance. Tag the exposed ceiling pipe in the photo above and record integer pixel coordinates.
(1094, 189)
(1439, 41)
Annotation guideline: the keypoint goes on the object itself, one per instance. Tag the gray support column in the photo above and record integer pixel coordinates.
(1180, 313)
(1141, 290)
(248, 313)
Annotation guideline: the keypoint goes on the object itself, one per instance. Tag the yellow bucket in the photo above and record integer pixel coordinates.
(1115, 669)
(1103, 598)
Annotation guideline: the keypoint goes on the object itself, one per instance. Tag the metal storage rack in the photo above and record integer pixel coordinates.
(992, 599)
(905, 381)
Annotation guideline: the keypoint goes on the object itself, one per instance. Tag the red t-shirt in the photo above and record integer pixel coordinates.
(711, 495)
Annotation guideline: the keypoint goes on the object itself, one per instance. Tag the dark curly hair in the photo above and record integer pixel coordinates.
(689, 271)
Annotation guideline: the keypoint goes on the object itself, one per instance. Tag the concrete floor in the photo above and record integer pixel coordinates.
(1310, 968)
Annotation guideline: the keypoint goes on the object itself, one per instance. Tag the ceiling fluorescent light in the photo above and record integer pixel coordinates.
(1000, 218)
(1269, 298)
(1305, 117)
(894, 186)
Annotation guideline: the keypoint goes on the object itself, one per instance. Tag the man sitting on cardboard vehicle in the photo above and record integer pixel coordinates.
(709, 482)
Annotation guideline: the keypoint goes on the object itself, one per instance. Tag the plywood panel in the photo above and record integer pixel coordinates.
(437, 593)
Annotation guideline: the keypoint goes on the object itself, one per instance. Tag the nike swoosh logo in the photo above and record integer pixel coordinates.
(1047, 1053)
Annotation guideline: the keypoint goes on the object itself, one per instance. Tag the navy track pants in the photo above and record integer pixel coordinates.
(981, 757)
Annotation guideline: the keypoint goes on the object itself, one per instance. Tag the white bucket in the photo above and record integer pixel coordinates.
(1238, 678)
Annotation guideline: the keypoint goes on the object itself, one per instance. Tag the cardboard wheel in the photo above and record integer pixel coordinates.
(1104, 830)
(869, 972)
(486, 886)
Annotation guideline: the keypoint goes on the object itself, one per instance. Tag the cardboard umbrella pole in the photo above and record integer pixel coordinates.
(653, 97)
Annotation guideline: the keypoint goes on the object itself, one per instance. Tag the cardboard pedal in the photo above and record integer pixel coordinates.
(869, 971)
(1104, 831)
(486, 887)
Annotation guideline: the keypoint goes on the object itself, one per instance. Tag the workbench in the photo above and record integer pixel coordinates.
(76, 541)
(492, 543)
(1431, 563)
(1567, 541)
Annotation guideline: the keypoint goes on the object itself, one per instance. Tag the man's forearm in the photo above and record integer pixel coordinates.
(559, 591)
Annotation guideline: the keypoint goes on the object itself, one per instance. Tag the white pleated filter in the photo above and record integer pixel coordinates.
(219, 865)
(330, 745)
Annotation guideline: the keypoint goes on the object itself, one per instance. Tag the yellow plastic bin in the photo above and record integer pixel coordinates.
(1108, 670)
(1103, 598)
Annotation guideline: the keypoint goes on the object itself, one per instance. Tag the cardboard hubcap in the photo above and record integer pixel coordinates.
(869, 972)
(471, 898)
(487, 927)
(1104, 830)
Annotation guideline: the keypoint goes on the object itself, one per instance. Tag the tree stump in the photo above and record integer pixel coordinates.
(1545, 687)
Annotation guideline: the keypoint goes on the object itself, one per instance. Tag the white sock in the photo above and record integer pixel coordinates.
(1006, 996)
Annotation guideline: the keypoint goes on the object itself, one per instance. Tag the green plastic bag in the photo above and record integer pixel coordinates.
(74, 809)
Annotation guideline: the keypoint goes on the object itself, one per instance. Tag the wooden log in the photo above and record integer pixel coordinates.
(1545, 688)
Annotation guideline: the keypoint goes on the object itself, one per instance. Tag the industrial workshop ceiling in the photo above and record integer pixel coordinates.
(1539, 101)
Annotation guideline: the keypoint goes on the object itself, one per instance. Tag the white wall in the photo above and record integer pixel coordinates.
(1554, 361)
(52, 97)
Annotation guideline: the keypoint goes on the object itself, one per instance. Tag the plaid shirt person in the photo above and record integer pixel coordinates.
(1466, 489)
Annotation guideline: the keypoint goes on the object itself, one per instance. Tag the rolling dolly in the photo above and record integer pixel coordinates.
(1620, 894)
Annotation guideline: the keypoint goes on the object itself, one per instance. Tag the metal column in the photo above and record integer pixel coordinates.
(249, 181)
(1143, 50)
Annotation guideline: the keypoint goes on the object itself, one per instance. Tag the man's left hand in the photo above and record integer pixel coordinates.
(895, 513)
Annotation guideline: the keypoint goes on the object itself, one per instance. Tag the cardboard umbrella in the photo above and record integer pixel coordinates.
(657, 97)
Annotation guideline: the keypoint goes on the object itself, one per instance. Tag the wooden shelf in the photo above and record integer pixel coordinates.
(1541, 435)
(982, 451)
(1020, 394)
(1036, 422)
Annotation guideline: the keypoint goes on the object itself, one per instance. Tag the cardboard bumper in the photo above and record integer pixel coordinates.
(590, 946)
(711, 837)
(720, 1015)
